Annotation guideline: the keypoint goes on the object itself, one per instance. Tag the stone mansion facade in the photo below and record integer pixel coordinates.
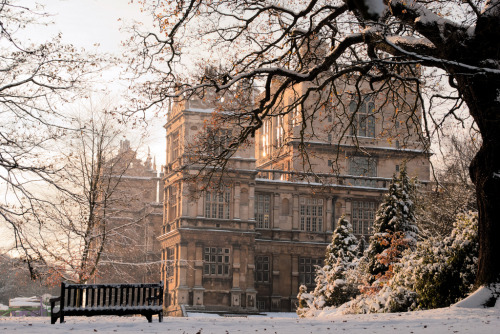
(248, 247)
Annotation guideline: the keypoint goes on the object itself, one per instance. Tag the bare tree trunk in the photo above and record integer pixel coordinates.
(485, 174)
(481, 92)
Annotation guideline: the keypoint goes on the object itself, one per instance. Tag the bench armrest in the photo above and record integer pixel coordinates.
(53, 303)
(55, 299)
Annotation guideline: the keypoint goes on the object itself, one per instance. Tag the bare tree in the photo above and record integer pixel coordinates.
(377, 47)
(35, 82)
(66, 233)
(453, 192)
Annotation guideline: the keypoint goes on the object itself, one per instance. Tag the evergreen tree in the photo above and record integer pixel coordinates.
(332, 286)
(396, 214)
(342, 241)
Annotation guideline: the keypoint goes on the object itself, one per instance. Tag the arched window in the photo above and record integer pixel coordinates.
(285, 207)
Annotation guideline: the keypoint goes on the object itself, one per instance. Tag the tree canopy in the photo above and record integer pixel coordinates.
(384, 48)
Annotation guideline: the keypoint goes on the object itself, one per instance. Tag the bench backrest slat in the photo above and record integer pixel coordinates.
(110, 297)
(104, 300)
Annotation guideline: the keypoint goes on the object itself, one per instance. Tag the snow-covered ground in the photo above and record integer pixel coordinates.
(467, 316)
(447, 320)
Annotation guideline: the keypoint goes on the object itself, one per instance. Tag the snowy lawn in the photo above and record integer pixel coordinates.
(447, 320)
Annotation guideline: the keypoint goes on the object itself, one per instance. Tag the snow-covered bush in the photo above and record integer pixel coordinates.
(441, 272)
(305, 301)
(436, 274)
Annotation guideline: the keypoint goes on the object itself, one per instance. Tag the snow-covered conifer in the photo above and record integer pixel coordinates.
(332, 286)
(395, 214)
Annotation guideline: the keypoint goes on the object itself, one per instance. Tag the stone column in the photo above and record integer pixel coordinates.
(199, 206)
(295, 212)
(236, 266)
(198, 290)
(236, 204)
(183, 199)
(329, 212)
(295, 275)
(276, 210)
(276, 293)
(182, 265)
(251, 201)
(347, 208)
(236, 290)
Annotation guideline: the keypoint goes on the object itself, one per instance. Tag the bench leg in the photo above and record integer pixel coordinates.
(53, 319)
(61, 318)
(149, 317)
(160, 317)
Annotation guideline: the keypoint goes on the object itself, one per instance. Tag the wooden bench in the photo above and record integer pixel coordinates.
(108, 299)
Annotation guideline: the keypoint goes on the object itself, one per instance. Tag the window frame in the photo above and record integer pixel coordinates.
(362, 218)
(363, 117)
(307, 270)
(174, 145)
(217, 204)
(169, 262)
(173, 202)
(263, 269)
(366, 168)
(311, 214)
(262, 223)
(216, 262)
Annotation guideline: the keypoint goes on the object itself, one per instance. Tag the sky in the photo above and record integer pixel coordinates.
(85, 23)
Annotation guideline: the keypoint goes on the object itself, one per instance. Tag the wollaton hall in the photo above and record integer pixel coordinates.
(249, 245)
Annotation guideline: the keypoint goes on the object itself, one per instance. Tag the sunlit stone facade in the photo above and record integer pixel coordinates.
(249, 246)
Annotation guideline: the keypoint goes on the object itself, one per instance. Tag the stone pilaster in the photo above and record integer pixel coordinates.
(236, 204)
(295, 212)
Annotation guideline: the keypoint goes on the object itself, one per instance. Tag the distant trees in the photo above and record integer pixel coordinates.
(15, 281)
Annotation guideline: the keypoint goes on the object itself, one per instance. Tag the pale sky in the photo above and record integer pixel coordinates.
(84, 23)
